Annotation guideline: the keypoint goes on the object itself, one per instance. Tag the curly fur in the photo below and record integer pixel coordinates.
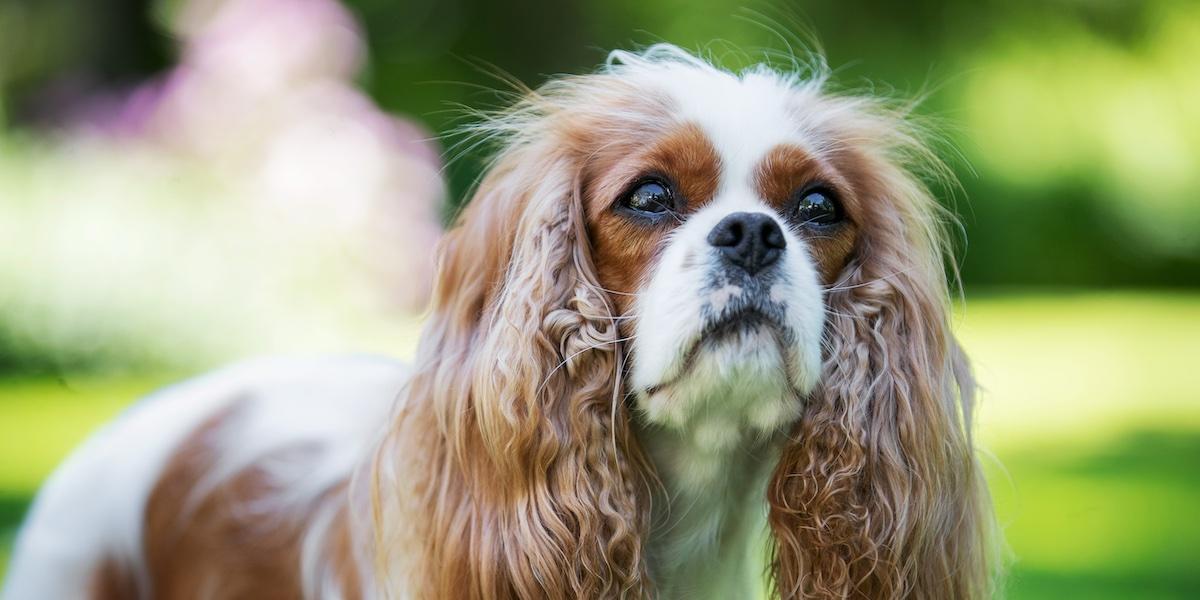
(878, 493)
(532, 484)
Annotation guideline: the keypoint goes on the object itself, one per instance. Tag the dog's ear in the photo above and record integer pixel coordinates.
(878, 494)
(528, 473)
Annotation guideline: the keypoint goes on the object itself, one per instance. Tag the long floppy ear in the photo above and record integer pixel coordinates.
(511, 471)
(878, 493)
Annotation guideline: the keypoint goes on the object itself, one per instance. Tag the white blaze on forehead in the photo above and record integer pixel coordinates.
(744, 116)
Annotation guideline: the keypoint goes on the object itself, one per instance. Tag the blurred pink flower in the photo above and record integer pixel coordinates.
(264, 98)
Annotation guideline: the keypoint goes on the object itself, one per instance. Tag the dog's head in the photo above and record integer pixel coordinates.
(732, 258)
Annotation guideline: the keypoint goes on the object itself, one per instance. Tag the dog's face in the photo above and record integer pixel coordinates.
(741, 254)
(714, 231)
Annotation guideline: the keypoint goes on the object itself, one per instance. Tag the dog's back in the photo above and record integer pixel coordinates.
(240, 471)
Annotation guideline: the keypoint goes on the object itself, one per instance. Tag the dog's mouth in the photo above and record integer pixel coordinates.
(729, 327)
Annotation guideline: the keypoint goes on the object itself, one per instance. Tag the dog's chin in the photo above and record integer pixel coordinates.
(731, 381)
(748, 340)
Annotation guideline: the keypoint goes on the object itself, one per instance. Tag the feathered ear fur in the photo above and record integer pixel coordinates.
(877, 493)
(512, 442)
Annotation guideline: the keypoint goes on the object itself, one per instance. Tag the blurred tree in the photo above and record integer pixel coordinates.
(54, 50)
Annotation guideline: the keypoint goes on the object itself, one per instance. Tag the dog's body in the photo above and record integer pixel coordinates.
(682, 301)
(88, 533)
(304, 424)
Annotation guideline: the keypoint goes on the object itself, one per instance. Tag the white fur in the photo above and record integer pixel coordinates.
(92, 507)
(709, 423)
(669, 310)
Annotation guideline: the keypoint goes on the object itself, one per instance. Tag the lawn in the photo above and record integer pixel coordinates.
(1090, 416)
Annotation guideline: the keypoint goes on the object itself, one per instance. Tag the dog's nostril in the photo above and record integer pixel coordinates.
(772, 235)
(729, 235)
(748, 240)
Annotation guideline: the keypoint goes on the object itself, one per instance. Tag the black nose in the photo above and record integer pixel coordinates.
(750, 240)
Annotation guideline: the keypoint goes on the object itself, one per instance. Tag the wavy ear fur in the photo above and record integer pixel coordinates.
(512, 441)
(878, 494)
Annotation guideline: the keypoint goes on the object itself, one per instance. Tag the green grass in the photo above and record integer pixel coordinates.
(1090, 412)
(1091, 405)
(40, 421)
(1109, 521)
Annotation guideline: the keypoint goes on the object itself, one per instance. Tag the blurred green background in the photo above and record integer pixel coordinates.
(134, 134)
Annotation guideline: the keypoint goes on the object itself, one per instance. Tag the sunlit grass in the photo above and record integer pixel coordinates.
(1091, 404)
(1087, 367)
(1091, 407)
(40, 421)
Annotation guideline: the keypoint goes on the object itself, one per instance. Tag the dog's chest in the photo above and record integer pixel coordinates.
(710, 517)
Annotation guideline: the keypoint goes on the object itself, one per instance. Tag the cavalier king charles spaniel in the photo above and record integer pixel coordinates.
(691, 334)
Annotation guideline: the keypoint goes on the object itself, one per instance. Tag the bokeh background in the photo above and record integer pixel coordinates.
(186, 182)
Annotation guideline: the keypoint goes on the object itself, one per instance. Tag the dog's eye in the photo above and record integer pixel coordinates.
(817, 206)
(651, 196)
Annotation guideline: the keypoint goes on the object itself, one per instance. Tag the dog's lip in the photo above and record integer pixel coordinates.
(714, 331)
(727, 325)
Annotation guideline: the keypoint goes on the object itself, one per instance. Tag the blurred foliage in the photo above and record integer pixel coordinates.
(1077, 121)
(129, 261)
(52, 48)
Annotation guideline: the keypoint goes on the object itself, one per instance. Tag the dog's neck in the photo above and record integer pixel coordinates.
(708, 521)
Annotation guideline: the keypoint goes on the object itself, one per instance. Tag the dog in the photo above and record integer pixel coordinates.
(685, 307)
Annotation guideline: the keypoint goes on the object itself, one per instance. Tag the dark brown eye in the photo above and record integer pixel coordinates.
(817, 207)
(650, 197)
